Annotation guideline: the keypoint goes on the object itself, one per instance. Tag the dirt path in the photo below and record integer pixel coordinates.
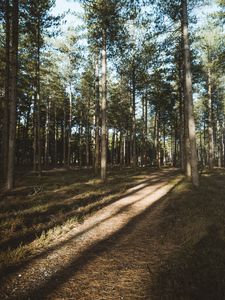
(110, 256)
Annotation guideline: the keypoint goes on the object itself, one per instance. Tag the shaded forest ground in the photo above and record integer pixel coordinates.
(41, 209)
(173, 249)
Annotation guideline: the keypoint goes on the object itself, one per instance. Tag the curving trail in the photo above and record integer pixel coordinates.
(112, 255)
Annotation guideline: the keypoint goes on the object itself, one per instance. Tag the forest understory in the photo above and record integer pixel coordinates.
(146, 234)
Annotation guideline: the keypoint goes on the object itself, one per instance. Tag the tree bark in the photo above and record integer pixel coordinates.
(188, 96)
(13, 95)
(134, 154)
(38, 98)
(6, 101)
(103, 108)
(210, 127)
(47, 133)
(64, 135)
(181, 118)
(55, 136)
(97, 152)
(70, 128)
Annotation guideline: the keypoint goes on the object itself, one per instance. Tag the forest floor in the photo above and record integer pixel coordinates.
(144, 235)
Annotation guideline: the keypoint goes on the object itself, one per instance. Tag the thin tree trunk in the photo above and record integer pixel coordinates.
(113, 148)
(181, 123)
(35, 133)
(97, 150)
(6, 101)
(55, 136)
(164, 144)
(146, 129)
(64, 134)
(155, 134)
(13, 95)
(38, 99)
(47, 133)
(210, 127)
(158, 152)
(70, 128)
(134, 154)
(187, 152)
(189, 97)
(103, 106)
(80, 145)
(121, 149)
(87, 146)
(175, 146)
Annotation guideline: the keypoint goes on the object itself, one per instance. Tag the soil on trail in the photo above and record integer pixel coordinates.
(112, 255)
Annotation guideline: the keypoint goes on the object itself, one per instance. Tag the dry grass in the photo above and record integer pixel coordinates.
(172, 250)
(194, 220)
(39, 210)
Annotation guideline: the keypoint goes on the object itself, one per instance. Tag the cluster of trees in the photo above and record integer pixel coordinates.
(117, 92)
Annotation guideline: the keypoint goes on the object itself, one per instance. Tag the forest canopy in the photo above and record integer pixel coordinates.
(119, 83)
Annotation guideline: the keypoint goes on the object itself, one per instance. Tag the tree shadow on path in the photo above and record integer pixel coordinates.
(78, 263)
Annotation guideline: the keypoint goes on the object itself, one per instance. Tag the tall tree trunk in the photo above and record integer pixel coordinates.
(134, 154)
(103, 106)
(47, 133)
(55, 136)
(146, 129)
(158, 148)
(35, 133)
(113, 148)
(80, 145)
(143, 132)
(13, 94)
(181, 118)
(6, 101)
(155, 134)
(188, 96)
(164, 144)
(38, 98)
(210, 127)
(121, 149)
(97, 152)
(187, 148)
(64, 135)
(87, 146)
(70, 128)
(175, 146)
(88, 135)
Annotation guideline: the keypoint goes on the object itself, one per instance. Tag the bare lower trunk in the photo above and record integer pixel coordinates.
(121, 149)
(47, 134)
(158, 156)
(80, 146)
(188, 96)
(87, 146)
(64, 135)
(210, 127)
(181, 120)
(146, 129)
(13, 96)
(134, 154)
(6, 101)
(70, 128)
(97, 152)
(103, 111)
(55, 136)
(38, 100)
(113, 148)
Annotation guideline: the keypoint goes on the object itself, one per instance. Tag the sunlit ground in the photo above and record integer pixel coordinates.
(161, 240)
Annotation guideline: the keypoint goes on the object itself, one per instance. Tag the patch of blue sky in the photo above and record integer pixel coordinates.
(72, 12)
